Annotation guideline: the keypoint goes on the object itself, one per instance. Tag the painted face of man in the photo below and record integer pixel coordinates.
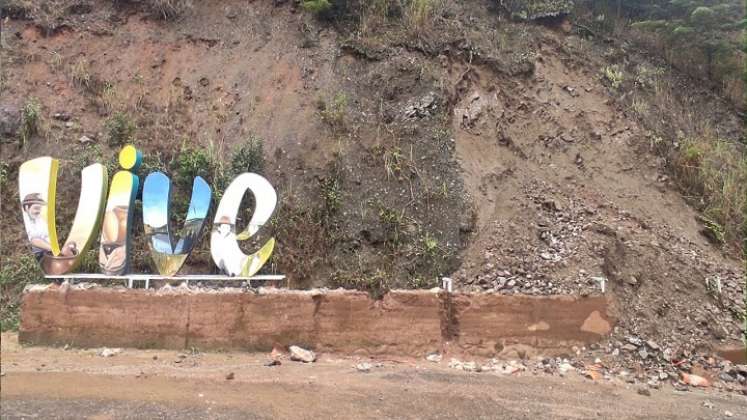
(224, 229)
(35, 210)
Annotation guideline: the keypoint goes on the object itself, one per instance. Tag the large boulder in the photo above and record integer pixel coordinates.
(536, 9)
(10, 120)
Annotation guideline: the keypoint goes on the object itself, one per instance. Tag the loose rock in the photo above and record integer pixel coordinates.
(363, 367)
(434, 357)
(465, 366)
(299, 354)
(422, 107)
(61, 116)
(85, 140)
(563, 368)
(10, 120)
(695, 380)
(107, 352)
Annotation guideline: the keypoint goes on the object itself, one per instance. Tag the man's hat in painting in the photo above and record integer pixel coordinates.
(31, 199)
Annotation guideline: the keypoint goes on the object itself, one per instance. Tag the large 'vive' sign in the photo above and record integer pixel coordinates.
(113, 214)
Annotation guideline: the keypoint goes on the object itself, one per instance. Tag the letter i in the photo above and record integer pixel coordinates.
(115, 231)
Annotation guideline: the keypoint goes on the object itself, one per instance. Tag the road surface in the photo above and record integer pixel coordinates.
(47, 383)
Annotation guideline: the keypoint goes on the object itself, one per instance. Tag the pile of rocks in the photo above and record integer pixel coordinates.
(557, 242)
(680, 374)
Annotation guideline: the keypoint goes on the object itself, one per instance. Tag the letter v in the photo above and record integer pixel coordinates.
(37, 185)
(167, 257)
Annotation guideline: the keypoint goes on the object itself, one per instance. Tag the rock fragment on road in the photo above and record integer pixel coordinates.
(299, 354)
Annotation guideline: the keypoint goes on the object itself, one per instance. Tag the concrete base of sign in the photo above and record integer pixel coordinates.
(410, 323)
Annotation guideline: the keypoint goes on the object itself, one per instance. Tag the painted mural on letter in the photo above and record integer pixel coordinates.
(168, 257)
(224, 245)
(37, 184)
(115, 230)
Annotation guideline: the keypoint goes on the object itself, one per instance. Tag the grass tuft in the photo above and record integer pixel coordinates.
(120, 129)
(713, 173)
(614, 76)
(169, 9)
(30, 120)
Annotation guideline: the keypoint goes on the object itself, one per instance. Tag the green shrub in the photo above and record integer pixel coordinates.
(392, 222)
(698, 37)
(89, 263)
(249, 157)
(15, 274)
(419, 13)
(30, 120)
(703, 16)
(333, 113)
(152, 162)
(120, 129)
(390, 218)
(648, 76)
(429, 246)
(20, 271)
(192, 162)
(4, 174)
(614, 76)
(331, 194)
(316, 6)
(377, 284)
(422, 282)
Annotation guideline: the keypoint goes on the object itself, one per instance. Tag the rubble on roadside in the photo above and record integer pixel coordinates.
(681, 374)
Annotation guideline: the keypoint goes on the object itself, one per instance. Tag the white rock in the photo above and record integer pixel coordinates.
(299, 354)
(363, 367)
(455, 364)
(563, 368)
(107, 352)
(434, 357)
(471, 367)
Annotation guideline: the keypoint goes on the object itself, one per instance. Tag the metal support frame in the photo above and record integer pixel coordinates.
(130, 279)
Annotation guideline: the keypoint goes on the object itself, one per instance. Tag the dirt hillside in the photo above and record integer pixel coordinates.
(501, 154)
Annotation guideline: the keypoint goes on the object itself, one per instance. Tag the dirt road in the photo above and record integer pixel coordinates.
(47, 383)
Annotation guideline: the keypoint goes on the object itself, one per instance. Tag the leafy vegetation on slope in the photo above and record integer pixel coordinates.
(15, 274)
(699, 37)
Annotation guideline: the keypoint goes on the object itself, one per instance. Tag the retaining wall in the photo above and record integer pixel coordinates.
(402, 323)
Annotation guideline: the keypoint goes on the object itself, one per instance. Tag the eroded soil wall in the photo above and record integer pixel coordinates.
(410, 323)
